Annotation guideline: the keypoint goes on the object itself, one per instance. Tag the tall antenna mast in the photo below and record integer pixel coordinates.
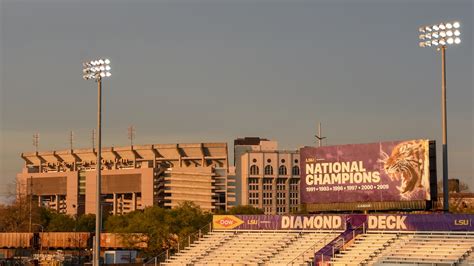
(71, 139)
(319, 136)
(36, 141)
(93, 138)
(131, 134)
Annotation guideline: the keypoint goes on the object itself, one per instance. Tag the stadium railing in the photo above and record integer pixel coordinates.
(181, 244)
(302, 256)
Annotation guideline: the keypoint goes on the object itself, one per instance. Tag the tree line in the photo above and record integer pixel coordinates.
(163, 228)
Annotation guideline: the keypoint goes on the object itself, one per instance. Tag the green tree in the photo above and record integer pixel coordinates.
(188, 218)
(15, 217)
(61, 223)
(85, 223)
(245, 209)
(163, 228)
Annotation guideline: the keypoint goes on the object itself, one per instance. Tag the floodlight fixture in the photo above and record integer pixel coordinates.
(96, 69)
(439, 34)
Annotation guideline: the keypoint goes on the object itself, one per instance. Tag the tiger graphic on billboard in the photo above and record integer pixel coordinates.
(408, 163)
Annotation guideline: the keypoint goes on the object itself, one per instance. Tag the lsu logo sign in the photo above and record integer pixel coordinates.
(224, 222)
(462, 222)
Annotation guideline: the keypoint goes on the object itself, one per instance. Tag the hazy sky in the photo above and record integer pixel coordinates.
(211, 71)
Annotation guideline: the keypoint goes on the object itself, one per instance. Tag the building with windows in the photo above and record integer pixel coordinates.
(133, 177)
(266, 177)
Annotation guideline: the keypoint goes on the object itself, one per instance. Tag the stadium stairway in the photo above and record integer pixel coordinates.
(302, 250)
(363, 249)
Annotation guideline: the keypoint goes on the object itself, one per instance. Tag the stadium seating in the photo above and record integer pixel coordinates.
(252, 247)
(200, 247)
(363, 248)
(303, 249)
(439, 248)
(285, 247)
(249, 248)
(415, 248)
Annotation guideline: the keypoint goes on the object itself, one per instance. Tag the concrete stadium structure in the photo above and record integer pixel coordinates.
(133, 177)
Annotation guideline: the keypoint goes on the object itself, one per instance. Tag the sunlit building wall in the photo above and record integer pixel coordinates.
(133, 177)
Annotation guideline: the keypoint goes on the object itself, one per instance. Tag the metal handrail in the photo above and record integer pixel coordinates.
(157, 259)
(324, 239)
(193, 234)
(208, 249)
(306, 250)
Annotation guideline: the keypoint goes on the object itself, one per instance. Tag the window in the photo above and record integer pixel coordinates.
(253, 198)
(294, 198)
(294, 209)
(268, 170)
(253, 184)
(281, 210)
(268, 210)
(282, 170)
(296, 170)
(268, 184)
(281, 198)
(281, 184)
(254, 170)
(267, 198)
(294, 184)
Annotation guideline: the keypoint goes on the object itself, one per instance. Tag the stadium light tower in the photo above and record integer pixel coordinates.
(96, 70)
(441, 36)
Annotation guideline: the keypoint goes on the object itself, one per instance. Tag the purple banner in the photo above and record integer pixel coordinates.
(376, 172)
(390, 222)
(421, 222)
(279, 222)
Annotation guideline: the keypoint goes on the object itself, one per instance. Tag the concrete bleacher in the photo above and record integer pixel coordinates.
(298, 247)
(427, 248)
(200, 247)
(363, 248)
(251, 247)
(303, 249)
(407, 248)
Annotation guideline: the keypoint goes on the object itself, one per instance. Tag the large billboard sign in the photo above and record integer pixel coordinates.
(376, 172)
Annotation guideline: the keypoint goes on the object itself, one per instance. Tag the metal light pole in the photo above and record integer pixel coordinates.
(96, 70)
(440, 36)
(319, 137)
